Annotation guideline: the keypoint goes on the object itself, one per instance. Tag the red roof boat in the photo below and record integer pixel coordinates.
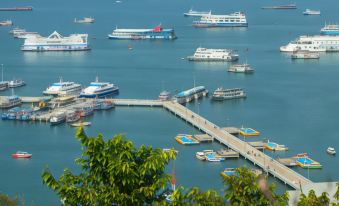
(20, 154)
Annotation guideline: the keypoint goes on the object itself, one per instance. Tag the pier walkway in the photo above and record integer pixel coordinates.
(268, 164)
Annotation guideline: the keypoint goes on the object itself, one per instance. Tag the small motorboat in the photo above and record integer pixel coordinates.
(20, 154)
(16, 83)
(81, 124)
(331, 151)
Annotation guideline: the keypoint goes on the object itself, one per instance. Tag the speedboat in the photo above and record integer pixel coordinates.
(99, 89)
(331, 150)
(16, 83)
(63, 88)
(20, 154)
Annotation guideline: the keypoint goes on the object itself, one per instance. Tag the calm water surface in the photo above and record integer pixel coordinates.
(291, 102)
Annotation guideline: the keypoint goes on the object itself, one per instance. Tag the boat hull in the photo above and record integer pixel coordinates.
(233, 59)
(100, 95)
(208, 25)
(55, 48)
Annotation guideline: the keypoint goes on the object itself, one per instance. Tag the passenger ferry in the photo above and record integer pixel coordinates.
(63, 88)
(191, 12)
(99, 89)
(317, 43)
(237, 19)
(58, 118)
(305, 55)
(135, 34)
(10, 101)
(240, 68)
(331, 29)
(16, 83)
(204, 54)
(85, 20)
(311, 12)
(223, 94)
(56, 42)
(188, 95)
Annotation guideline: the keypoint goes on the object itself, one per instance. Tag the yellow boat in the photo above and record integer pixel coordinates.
(81, 124)
(249, 132)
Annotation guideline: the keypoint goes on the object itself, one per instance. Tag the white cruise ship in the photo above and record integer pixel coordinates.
(99, 89)
(63, 89)
(203, 54)
(56, 42)
(317, 43)
(237, 19)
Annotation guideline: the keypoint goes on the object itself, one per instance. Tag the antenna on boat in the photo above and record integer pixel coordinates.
(2, 72)
(97, 78)
(61, 80)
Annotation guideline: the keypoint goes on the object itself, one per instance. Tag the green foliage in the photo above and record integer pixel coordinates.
(313, 200)
(113, 172)
(247, 189)
(5, 200)
(196, 197)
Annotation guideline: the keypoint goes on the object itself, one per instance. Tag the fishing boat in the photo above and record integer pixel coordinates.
(186, 139)
(99, 89)
(224, 94)
(249, 132)
(288, 6)
(136, 34)
(10, 101)
(58, 118)
(331, 151)
(311, 12)
(20, 154)
(240, 68)
(330, 29)
(81, 124)
(275, 147)
(304, 161)
(72, 116)
(236, 19)
(85, 20)
(191, 12)
(204, 54)
(164, 96)
(6, 23)
(62, 88)
(16, 83)
(305, 55)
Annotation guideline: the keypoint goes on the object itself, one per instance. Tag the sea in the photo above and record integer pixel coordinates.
(291, 102)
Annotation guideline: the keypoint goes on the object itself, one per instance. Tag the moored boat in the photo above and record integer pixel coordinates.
(20, 154)
(288, 6)
(135, 34)
(16, 83)
(164, 95)
(72, 116)
(85, 110)
(10, 101)
(85, 20)
(330, 29)
(27, 8)
(62, 88)
(191, 12)
(236, 19)
(81, 124)
(201, 155)
(224, 94)
(58, 118)
(3, 85)
(305, 55)
(204, 54)
(6, 23)
(311, 12)
(316, 43)
(331, 151)
(240, 68)
(99, 89)
(190, 94)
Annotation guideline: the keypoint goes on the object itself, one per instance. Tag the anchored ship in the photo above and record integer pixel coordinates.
(6, 23)
(56, 42)
(311, 12)
(191, 12)
(85, 20)
(331, 29)
(204, 54)
(28, 8)
(223, 94)
(135, 34)
(237, 19)
(317, 43)
(240, 68)
(288, 6)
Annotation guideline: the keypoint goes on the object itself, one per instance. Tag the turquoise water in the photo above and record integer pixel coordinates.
(294, 103)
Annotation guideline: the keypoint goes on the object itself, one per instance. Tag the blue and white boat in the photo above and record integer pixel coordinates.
(99, 89)
(189, 95)
(62, 88)
(134, 34)
(330, 29)
(237, 19)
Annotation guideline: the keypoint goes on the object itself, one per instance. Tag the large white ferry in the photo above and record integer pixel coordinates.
(317, 43)
(63, 88)
(330, 29)
(56, 42)
(237, 19)
(135, 34)
(99, 89)
(203, 54)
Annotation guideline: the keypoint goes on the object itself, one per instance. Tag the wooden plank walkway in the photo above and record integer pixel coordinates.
(267, 163)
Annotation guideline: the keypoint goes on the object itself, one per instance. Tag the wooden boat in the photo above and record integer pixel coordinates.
(81, 124)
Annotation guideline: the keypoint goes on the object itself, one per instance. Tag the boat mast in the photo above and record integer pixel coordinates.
(2, 72)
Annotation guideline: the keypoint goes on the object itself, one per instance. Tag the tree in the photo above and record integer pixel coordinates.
(313, 200)
(5, 200)
(248, 189)
(113, 172)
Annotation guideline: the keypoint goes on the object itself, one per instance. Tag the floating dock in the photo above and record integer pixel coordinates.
(260, 145)
(232, 130)
(203, 138)
(228, 153)
(289, 162)
(248, 132)
(186, 139)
